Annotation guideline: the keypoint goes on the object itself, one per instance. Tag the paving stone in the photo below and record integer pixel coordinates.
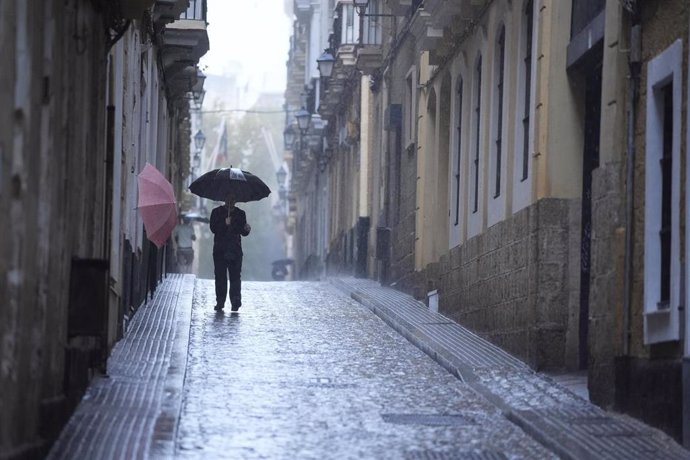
(561, 420)
(132, 412)
(303, 371)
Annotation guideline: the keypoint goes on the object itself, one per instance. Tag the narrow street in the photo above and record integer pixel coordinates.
(305, 372)
(343, 368)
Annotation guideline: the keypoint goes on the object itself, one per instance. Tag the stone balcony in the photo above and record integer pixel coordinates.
(167, 11)
(184, 41)
(399, 7)
(426, 33)
(369, 58)
(302, 10)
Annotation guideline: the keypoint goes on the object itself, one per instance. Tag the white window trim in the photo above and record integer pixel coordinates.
(410, 107)
(522, 189)
(661, 325)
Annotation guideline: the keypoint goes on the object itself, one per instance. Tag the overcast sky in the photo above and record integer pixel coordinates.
(256, 34)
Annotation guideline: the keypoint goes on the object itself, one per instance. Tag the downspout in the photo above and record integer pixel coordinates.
(633, 91)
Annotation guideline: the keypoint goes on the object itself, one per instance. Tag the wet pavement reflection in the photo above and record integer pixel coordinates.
(303, 371)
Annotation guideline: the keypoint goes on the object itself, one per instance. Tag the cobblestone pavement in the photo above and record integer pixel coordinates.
(303, 371)
(567, 424)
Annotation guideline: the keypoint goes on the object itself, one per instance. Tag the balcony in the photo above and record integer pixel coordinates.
(167, 11)
(399, 7)
(443, 11)
(302, 10)
(425, 32)
(184, 41)
(134, 9)
(369, 59)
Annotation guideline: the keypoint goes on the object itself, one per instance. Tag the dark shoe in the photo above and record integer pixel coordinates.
(218, 307)
(235, 307)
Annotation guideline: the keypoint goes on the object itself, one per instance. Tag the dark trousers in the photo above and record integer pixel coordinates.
(224, 268)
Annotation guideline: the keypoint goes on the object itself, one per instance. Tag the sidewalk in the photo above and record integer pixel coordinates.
(133, 412)
(562, 421)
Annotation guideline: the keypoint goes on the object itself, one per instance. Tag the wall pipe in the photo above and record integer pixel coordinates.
(633, 92)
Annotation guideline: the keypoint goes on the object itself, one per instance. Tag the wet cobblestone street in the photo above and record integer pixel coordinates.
(303, 371)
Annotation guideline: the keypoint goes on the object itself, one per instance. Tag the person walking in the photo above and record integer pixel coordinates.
(228, 224)
(183, 237)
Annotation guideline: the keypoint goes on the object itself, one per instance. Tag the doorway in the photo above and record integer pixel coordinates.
(590, 161)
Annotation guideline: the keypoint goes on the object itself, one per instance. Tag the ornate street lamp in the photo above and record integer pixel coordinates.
(198, 91)
(281, 175)
(303, 118)
(289, 137)
(325, 64)
(199, 140)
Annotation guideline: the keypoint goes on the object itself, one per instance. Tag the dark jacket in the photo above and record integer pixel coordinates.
(227, 239)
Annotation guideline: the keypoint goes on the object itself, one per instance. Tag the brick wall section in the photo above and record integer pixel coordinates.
(513, 284)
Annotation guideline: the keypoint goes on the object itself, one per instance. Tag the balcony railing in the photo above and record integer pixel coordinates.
(196, 11)
(373, 30)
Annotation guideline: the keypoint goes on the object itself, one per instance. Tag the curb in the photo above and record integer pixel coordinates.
(563, 422)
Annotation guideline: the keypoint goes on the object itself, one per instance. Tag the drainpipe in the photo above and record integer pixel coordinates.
(633, 87)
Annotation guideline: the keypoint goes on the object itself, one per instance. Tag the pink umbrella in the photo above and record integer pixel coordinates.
(157, 205)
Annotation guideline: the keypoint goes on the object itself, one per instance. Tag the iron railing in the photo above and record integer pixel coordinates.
(196, 11)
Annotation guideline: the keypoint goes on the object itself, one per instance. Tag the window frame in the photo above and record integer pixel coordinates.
(662, 324)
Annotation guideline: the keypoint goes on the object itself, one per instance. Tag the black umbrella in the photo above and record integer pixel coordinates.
(216, 185)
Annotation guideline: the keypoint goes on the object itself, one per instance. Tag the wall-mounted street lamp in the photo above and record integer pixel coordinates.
(281, 175)
(288, 137)
(198, 91)
(199, 140)
(303, 118)
(325, 64)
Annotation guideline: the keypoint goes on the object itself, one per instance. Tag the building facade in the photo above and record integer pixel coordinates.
(500, 160)
(93, 91)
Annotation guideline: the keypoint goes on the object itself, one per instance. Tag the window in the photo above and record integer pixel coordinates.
(350, 25)
(526, 86)
(410, 106)
(498, 95)
(521, 152)
(666, 162)
(373, 31)
(662, 197)
(458, 152)
(583, 12)
(477, 125)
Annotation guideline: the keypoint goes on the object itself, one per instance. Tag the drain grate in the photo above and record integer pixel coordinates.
(471, 455)
(428, 419)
